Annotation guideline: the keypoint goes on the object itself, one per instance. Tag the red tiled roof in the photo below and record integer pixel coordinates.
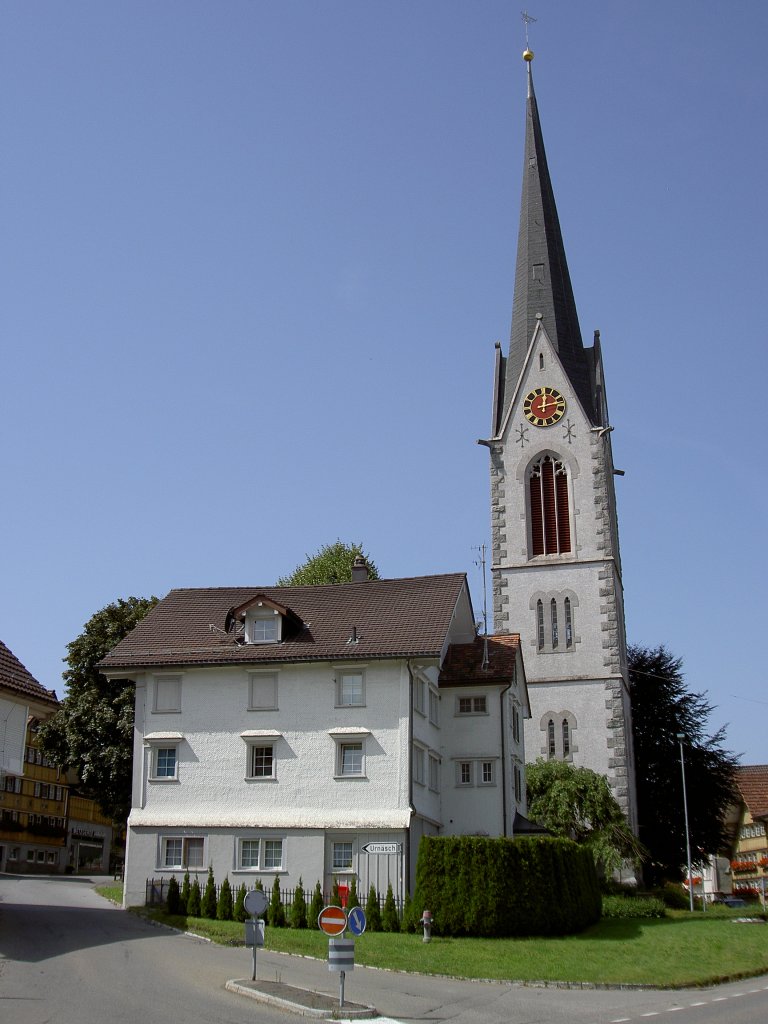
(752, 781)
(403, 617)
(464, 662)
(14, 676)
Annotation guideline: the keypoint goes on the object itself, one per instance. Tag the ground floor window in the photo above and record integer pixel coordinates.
(183, 852)
(260, 854)
(342, 856)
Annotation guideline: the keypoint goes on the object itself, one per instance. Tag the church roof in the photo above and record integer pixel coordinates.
(542, 282)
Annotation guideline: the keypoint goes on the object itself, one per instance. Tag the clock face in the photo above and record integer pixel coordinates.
(543, 407)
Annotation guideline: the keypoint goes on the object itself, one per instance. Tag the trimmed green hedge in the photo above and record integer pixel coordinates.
(504, 887)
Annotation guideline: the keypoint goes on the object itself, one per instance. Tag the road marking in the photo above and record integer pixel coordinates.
(699, 1004)
(719, 999)
(654, 1013)
(620, 1020)
(674, 1009)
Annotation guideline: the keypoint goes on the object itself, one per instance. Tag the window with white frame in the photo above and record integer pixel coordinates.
(350, 689)
(13, 853)
(419, 695)
(341, 855)
(472, 705)
(418, 755)
(272, 850)
(486, 773)
(464, 773)
(518, 775)
(434, 773)
(164, 762)
(265, 628)
(262, 691)
(434, 706)
(515, 723)
(249, 853)
(478, 771)
(167, 694)
(261, 760)
(350, 758)
(31, 855)
(182, 852)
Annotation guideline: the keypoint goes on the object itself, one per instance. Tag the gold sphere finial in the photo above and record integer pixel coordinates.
(528, 55)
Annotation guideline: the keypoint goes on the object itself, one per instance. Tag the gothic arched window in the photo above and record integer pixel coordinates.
(551, 738)
(540, 624)
(549, 507)
(555, 632)
(566, 738)
(568, 623)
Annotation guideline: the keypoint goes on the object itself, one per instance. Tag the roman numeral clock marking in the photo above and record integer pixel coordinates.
(543, 406)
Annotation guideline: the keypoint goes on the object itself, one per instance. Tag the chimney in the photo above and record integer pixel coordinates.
(359, 570)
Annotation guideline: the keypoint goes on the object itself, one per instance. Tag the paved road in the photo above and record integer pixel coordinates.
(68, 956)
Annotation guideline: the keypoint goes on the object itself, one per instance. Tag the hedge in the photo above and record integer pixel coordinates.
(480, 886)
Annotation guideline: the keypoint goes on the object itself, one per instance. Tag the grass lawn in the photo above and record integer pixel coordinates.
(680, 950)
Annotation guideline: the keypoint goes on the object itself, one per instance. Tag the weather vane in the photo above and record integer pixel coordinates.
(528, 20)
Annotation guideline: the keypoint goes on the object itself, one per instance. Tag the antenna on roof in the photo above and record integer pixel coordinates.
(481, 562)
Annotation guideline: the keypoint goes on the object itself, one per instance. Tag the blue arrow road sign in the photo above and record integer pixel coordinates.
(356, 920)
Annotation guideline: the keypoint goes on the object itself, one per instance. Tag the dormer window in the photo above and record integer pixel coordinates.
(265, 628)
(261, 620)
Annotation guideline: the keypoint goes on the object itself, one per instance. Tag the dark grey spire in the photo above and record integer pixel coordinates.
(542, 282)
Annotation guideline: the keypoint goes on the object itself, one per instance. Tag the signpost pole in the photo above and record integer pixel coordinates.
(255, 930)
(341, 989)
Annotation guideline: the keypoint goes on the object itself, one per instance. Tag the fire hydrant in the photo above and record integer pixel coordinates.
(426, 921)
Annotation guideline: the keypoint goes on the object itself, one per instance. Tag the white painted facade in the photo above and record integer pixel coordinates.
(305, 817)
(582, 679)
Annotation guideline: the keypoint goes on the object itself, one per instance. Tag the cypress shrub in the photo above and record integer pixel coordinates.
(184, 896)
(299, 908)
(208, 904)
(502, 887)
(173, 899)
(408, 923)
(193, 903)
(335, 894)
(224, 906)
(315, 907)
(239, 913)
(352, 898)
(276, 910)
(390, 922)
(372, 912)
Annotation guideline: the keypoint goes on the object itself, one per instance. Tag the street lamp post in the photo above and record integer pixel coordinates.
(681, 737)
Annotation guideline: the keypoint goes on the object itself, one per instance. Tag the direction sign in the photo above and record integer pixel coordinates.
(255, 902)
(356, 920)
(381, 848)
(332, 920)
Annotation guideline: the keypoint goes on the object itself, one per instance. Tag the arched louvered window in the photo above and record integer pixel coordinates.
(553, 612)
(540, 624)
(549, 508)
(566, 738)
(551, 738)
(568, 623)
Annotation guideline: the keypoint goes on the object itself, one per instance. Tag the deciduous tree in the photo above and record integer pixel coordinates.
(577, 803)
(332, 564)
(91, 734)
(663, 708)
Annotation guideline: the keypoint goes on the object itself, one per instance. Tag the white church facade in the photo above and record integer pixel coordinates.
(555, 548)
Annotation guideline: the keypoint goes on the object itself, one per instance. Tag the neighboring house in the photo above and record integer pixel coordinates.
(89, 836)
(749, 865)
(32, 798)
(317, 732)
(557, 574)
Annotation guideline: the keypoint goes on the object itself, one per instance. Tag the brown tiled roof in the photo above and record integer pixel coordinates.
(15, 677)
(752, 781)
(463, 664)
(404, 617)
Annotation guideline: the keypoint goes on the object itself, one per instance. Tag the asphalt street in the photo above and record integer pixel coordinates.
(69, 956)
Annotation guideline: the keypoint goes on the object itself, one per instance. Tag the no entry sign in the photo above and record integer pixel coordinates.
(332, 920)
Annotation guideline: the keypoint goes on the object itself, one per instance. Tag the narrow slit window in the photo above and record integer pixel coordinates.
(551, 738)
(566, 738)
(540, 624)
(568, 622)
(553, 611)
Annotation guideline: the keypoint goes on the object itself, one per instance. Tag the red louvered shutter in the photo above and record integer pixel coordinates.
(550, 512)
(563, 514)
(537, 524)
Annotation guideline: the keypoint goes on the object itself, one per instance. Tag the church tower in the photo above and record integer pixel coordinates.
(555, 545)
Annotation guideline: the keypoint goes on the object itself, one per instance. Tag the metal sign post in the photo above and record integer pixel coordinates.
(341, 958)
(255, 903)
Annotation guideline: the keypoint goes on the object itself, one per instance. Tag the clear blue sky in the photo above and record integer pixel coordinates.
(255, 257)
